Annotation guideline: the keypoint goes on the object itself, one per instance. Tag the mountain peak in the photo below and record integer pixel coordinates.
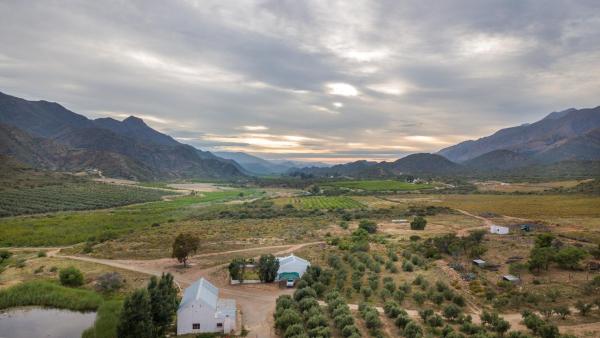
(133, 120)
(558, 114)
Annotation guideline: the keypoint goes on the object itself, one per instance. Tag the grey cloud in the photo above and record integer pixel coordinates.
(209, 67)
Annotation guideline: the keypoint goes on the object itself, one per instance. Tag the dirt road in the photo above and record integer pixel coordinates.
(256, 302)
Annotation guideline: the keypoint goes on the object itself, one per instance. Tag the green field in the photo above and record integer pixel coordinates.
(73, 196)
(72, 227)
(380, 185)
(324, 202)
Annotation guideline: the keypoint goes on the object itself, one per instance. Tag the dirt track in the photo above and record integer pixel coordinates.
(257, 302)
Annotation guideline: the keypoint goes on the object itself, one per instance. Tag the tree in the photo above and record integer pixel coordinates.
(451, 312)
(183, 246)
(540, 257)
(237, 269)
(163, 301)
(267, 268)
(418, 223)
(4, 255)
(369, 226)
(413, 330)
(135, 320)
(71, 276)
(544, 240)
(584, 308)
(569, 257)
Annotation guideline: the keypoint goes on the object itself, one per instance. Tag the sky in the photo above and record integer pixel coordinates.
(330, 81)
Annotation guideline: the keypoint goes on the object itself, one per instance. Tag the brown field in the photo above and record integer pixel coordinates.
(525, 186)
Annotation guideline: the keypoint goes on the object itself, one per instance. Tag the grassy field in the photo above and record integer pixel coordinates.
(321, 202)
(524, 186)
(44, 293)
(73, 196)
(67, 228)
(379, 185)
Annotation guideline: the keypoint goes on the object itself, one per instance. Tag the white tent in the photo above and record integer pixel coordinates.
(291, 265)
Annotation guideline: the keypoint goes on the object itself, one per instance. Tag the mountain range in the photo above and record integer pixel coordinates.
(562, 143)
(47, 135)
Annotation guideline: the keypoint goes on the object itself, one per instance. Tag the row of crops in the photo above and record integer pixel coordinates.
(380, 185)
(325, 202)
(73, 196)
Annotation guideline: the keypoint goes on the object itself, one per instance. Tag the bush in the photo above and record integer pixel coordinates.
(304, 292)
(42, 254)
(71, 276)
(407, 266)
(435, 321)
(413, 330)
(293, 330)
(109, 282)
(287, 318)
(402, 320)
(369, 226)
(451, 312)
(418, 223)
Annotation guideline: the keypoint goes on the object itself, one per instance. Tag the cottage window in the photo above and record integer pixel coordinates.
(219, 324)
(196, 326)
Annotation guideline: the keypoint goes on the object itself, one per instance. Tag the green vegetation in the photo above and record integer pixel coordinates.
(67, 228)
(183, 246)
(324, 202)
(44, 293)
(267, 268)
(380, 185)
(73, 196)
(106, 322)
(418, 223)
(71, 276)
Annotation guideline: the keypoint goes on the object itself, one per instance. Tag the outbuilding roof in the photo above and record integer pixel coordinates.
(478, 261)
(511, 278)
(291, 259)
(201, 290)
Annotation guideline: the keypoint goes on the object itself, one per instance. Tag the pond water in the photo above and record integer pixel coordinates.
(33, 322)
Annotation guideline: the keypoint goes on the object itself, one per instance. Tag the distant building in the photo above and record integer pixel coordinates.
(499, 230)
(201, 310)
(511, 278)
(479, 262)
(291, 267)
(399, 221)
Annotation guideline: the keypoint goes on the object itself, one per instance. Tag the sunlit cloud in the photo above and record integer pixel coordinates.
(254, 128)
(341, 89)
(337, 104)
(389, 88)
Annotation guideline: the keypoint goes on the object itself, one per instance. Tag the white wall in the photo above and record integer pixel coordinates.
(495, 229)
(196, 312)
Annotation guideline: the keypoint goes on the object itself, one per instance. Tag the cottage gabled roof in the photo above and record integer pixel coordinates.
(201, 290)
(291, 259)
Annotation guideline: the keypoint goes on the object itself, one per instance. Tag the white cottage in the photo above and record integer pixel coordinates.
(291, 267)
(499, 230)
(201, 310)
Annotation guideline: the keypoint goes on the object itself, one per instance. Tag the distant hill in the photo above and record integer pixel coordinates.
(415, 164)
(260, 166)
(542, 140)
(46, 135)
(499, 160)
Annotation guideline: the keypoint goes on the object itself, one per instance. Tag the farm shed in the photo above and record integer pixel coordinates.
(201, 310)
(291, 265)
(399, 221)
(511, 278)
(499, 230)
(479, 262)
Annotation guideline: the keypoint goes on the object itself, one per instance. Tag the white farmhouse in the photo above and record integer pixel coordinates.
(201, 310)
(291, 267)
(499, 230)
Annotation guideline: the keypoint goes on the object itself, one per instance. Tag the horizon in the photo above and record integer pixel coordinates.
(310, 81)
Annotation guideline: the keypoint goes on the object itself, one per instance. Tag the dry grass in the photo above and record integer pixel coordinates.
(525, 186)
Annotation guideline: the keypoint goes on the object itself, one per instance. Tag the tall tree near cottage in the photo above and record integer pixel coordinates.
(183, 246)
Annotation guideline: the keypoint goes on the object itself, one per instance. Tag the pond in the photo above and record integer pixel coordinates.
(36, 322)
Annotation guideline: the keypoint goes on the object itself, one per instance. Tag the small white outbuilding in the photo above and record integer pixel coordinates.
(499, 230)
(201, 310)
(291, 266)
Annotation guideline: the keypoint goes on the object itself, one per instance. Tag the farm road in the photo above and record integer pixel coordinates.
(256, 301)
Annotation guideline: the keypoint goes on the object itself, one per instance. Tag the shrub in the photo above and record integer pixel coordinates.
(349, 330)
(435, 321)
(293, 330)
(369, 226)
(413, 330)
(109, 282)
(407, 266)
(287, 318)
(71, 276)
(418, 223)
(419, 297)
(402, 320)
(451, 312)
(304, 292)
(42, 254)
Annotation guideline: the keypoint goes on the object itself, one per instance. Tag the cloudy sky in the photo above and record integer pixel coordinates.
(319, 80)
